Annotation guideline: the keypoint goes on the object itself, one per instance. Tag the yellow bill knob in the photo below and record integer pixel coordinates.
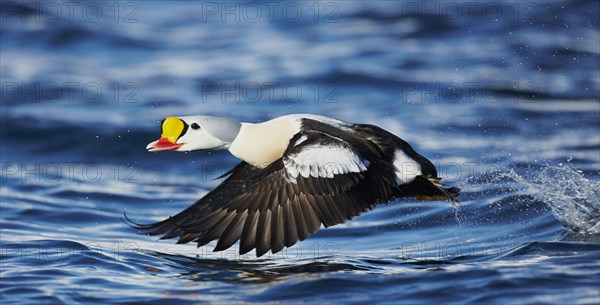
(172, 128)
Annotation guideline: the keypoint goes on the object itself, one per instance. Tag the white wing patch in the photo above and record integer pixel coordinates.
(320, 161)
(302, 139)
(406, 168)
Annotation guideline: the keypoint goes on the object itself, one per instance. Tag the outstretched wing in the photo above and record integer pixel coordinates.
(321, 179)
(240, 177)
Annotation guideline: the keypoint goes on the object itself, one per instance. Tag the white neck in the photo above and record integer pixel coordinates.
(261, 144)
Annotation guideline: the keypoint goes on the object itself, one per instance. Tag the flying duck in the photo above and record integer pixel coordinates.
(298, 172)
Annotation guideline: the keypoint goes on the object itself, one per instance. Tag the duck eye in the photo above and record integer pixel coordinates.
(195, 126)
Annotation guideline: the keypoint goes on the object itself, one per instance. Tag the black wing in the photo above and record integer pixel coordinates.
(275, 207)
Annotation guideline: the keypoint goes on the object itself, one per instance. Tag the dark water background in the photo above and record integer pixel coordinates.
(502, 96)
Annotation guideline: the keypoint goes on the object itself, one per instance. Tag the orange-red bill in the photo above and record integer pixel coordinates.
(162, 144)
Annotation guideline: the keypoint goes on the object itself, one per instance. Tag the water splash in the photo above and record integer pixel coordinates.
(573, 199)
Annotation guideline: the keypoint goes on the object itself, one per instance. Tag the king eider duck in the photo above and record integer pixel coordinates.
(298, 172)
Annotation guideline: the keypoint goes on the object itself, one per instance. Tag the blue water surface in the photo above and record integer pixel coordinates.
(502, 96)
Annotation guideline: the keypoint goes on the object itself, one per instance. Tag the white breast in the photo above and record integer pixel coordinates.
(261, 144)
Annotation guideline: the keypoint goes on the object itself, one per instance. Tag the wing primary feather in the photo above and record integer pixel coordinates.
(171, 234)
(327, 219)
(205, 223)
(311, 216)
(185, 238)
(277, 232)
(319, 210)
(334, 209)
(343, 203)
(263, 233)
(232, 232)
(291, 231)
(216, 231)
(248, 239)
(301, 222)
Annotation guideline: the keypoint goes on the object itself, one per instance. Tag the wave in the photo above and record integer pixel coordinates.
(573, 199)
